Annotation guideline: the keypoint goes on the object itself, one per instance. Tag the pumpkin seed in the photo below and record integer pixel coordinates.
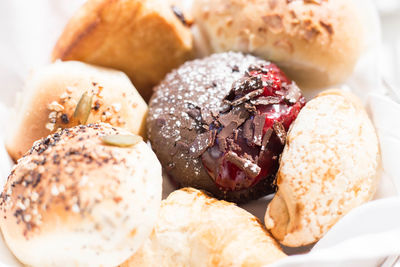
(82, 110)
(121, 140)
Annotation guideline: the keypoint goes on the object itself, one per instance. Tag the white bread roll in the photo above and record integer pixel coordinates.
(330, 165)
(143, 38)
(51, 95)
(72, 200)
(197, 230)
(317, 43)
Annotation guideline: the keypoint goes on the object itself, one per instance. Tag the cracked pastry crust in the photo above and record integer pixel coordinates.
(331, 164)
(73, 200)
(143, 38)
(317, 43)
(197, 230)
(51, 96)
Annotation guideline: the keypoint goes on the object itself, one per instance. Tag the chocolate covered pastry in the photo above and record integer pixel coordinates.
(220, 123)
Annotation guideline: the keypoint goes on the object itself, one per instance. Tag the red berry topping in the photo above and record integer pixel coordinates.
(250, 134)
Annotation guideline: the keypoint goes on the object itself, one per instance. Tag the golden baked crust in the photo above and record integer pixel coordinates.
(72, 200)
(51, 95)
(197, 230)
(143, 38)
(317, 43)
(330, 165)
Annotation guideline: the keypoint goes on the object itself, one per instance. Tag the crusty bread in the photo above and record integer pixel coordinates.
(52, 93)
(330, 165)
(143, 38)
(317, 43)
(196, 230)
(75, 201)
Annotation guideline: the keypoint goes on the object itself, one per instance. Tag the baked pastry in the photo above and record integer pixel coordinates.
(143, 38)
(85, 196)
(196, 230)
(219, 124)
(66, 94)
(329, 166)
(317, 43)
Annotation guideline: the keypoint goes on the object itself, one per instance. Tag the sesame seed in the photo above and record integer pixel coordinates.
(64, 96)
(54, 190)
(55, 106)
(116, 107)
(69, 169)
(20, 205)
(61, 188)
(50, 126)
(34, 196)
(70, 89)
(27, 218)
(75, 208)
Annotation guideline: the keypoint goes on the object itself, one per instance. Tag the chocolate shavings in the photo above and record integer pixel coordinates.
(222, 144)
(280, 131)
(224, 134)
(266, 100)
(228, 130)
(251, 169)
(265, 139)
(206, 116)
(194, 113)
(250, 107)
(293, 93)
(200, 144)
(248, 131)
(243, 85)
(247, 97)
(258, 121)
(237, 115)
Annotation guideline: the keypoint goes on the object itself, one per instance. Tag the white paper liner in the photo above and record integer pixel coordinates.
(367, 236)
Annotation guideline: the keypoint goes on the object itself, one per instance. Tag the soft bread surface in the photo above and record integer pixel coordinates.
(317, 43)
(330, 165)
(51, 95)
(74, 201)
(143, 38)
(194, 229)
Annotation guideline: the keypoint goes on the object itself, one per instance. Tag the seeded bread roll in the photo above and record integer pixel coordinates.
(78, 198)
(317, 43)
(143, 38)
(329, 166)
(196, 230)
(51, 96)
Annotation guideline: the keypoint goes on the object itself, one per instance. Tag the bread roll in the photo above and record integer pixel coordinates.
(51, 96)
(143, 38)
(317, 43)
(72, 200)
(330, 165)
(196, 230)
